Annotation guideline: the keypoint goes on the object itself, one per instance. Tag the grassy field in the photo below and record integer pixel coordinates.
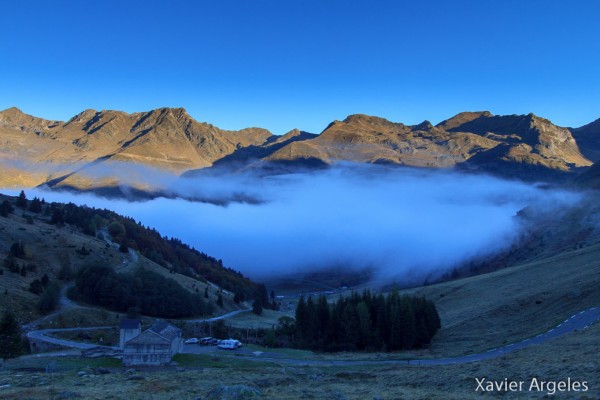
(267, 319)
(486, 311)
(198, 376)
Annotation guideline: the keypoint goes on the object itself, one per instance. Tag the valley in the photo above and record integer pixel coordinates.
(519, 294)
(529, 299)
(207, 200)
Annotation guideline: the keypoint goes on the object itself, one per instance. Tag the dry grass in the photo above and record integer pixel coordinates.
(266, 320)
(572, 356)
(486, 311)
(50, 247)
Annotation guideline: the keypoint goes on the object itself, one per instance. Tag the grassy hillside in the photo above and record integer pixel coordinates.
(478, 313)
(486, 311)
(51, 249)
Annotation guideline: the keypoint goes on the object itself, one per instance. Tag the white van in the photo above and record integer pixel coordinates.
(230, 344)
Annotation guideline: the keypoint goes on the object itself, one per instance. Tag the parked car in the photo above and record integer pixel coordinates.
(192, 341)
(206, 341)
(230, 344)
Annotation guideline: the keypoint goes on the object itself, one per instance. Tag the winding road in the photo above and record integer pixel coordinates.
(576, 322)
(580, 321)
(42, 335)
(224, 316)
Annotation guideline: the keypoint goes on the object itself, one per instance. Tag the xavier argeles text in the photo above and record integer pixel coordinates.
(532, 385)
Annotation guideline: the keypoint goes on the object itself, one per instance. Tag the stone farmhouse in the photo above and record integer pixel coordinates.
(154, 346)
(129, 329)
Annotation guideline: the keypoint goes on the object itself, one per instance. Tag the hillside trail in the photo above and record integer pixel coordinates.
(131, 258)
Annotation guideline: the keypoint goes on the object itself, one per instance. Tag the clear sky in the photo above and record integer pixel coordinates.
(282, 64)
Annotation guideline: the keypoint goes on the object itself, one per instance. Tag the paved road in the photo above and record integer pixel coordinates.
(576, 322)
(224, 316)
(42, 335)
(579, 321)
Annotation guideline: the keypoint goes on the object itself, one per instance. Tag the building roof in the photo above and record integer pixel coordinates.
(131, 324)
(166, 330)
(148, 337)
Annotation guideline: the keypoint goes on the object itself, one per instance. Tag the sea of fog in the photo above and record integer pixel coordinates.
(398, 221)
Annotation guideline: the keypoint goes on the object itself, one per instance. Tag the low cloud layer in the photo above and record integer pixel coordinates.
(402, 222)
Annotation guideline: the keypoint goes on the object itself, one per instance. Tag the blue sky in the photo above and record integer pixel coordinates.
(284, 64)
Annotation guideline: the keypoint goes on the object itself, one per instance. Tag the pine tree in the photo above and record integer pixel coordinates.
(11, 342)
(322, 321)
(57, 217)
(257, 308)
(35, 205)
(220, 300)
(312, 330)
(364, 326)
(302, 320)
(351, 329)
(45, 280)
(262, 296)
(49, 299)
(238, 297)
(408, 323)
(22, 200)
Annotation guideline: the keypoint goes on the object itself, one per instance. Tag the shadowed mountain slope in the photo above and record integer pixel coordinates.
(80, 153)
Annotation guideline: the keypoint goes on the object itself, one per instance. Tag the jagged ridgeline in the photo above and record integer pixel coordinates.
(81, 154)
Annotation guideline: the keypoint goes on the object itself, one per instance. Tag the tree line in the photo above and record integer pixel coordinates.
(144, 292)
(170, 253)
(365, 322)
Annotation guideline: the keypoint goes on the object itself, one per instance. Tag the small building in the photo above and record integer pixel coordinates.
(129, 329)
(155, 346)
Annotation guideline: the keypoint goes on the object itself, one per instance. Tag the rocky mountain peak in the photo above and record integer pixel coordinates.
(14, 117)
(423, 126)
(463, 118)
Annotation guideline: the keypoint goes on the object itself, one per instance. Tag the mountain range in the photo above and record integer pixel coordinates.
(36, 151)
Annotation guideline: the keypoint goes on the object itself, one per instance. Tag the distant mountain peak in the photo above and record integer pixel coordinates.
(365, 119)
(462, 118)
(12, 110)
(14, 117)
(423, 126)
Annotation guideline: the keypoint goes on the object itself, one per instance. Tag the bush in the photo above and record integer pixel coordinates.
(17, 250)
(50, 299)
(116, 229)
(36, 287)
(5, 209)
(11, 264)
